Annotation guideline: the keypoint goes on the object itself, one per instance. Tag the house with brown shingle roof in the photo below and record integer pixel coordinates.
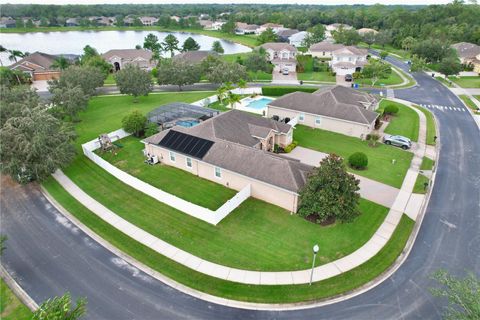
(338, 109)
(38, 65)
(234, 149)
(281, 55)
(119, 58)
(469, 54)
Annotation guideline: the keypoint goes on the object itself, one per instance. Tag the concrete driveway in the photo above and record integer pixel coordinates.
(369, 189)
(40, 85)
(278, 77)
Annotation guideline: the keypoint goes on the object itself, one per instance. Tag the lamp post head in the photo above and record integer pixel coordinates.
(315, 249)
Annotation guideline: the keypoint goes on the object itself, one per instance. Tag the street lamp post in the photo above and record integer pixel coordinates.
(315, 251)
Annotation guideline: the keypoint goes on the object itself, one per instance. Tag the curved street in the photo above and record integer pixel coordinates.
(47, 255)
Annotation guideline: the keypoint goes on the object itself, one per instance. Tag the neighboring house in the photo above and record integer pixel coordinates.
(128, 21)
(234, 149)
(194, 56)
(285, 34)
(72, 22)
(364, 31)
(38, 65)
(176, 18)
(206, 24)
(101, 21)
(245, 28)
(119, 58)
(217, 25)
(149, 21)
(7, 22)
(296, 39)
(275, 27)
(281, 55)
(324, 49)
(338, 109)
(469, 54)
(348, 60)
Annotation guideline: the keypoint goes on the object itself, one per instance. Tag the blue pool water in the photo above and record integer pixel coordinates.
(187, 123)
(259, 104)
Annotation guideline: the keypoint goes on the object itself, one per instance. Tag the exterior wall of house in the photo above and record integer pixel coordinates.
(346, 58)
(321, 54)
(335, 125)
(263, 191)
(142, 63)
(46, 75)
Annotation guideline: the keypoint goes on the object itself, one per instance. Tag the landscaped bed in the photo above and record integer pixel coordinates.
(265, 294)
(380, 166)
(405, 123)
(393, 79)
(323, 76)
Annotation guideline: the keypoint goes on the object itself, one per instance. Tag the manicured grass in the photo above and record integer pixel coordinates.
(256, 236)
(427, 164)
(260, 76)
(467, 82)
(466, 99)
(231, 290)
(324, 76)
(393, 79)
(405, 123)
(110, 80)
(419, 186)
(178, 182)
(11, 308)
(217, 105)
(105, 113)
(390, 49)
(444, 81)
(380, 167)
(234, 56)
(431, 126)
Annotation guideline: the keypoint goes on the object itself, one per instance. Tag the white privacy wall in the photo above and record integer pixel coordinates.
(199, 212)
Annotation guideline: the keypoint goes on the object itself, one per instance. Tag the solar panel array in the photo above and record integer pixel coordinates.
(186, 144)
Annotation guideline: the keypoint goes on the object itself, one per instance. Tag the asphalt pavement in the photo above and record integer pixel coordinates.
(48, 256)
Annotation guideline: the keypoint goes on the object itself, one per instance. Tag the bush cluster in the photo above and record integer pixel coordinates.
(290, 147)
(280, 91)
(390, 109)
(358, 160)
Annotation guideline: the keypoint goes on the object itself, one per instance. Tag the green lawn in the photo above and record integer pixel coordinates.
(431, 126)
(419, 186)
(389, 48)
(444, 81)
(405, 123)
(260, 76)
(393, 79)
(230, 290)
(217, 105)
(178, 182)
(324, 76)
(467, 82)
(380, 167)
(234, 56)
(11, 308)
(466, 99)
(427, 164)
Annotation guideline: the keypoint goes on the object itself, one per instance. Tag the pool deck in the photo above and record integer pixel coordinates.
(243, 105)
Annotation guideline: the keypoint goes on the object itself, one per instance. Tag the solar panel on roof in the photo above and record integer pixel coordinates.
(186, 144)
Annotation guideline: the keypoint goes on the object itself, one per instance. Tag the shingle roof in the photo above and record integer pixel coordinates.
(335, 102)
(232, 133)
(466, 49)
(128, 54)
(351, 50)
(278, 46)
(37, 61)
(287, 32)
(325, 46)
(194, 56)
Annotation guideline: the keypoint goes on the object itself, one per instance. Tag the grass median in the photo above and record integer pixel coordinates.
(11, 308)
(230, 290)
(431, 125)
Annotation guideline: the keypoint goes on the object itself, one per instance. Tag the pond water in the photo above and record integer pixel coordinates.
(72, 42)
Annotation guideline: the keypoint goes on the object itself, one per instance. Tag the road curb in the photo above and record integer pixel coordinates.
(17, 290)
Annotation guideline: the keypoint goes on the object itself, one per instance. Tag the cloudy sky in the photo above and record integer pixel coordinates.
(326, 2)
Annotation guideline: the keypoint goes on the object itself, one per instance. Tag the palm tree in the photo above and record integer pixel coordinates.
(170, 43)
(233, 99)
(221, 93)
(14, 54)
(2, 50)
(61, 63)
(242, 84)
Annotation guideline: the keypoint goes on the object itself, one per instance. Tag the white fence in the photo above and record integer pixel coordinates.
(207, 215)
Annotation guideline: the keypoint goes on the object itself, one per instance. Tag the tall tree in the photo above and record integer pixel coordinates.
(14, 100)
(134, 123)
(267, 36)
(70, 101)
(463, 295)
(347, 37)
(315, 34)
(134, 81)
(35, 144)
(170, 43)
(257, 61)
(228, 27)
(217, 47)
(449, 66)
(87, 77)
(418, 64)
(61, 308)
(190, 45)
(330, 192)
(433, 50)
(179, 72)
(227, 72)
(151, 43)
(376, 70)
(61, 63)
(408, 43)
(88, 52)
(369, 38)
(233, 99)
(383, 37)
(15, 54)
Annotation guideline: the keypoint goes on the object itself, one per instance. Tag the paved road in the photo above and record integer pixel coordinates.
(48, 257)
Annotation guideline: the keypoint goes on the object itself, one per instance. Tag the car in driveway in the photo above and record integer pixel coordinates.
(285, 72)
(398, 141)
(348, 78)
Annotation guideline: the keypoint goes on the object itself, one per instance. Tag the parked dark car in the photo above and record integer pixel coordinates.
(348, 78)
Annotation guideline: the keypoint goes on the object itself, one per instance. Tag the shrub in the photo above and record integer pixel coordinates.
(151, 129)
(373, 139)
(356, 75)
(280, 91)
(390, 109)
(377, 124)
(290, 147)
(154, 72)
(358, 160)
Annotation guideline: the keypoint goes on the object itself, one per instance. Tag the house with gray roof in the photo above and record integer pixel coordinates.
(119, 58)
(339, 109)
(38, 65)
(324, 49)
(235, 149)
(469, 54)
(281, 55)
(347, 60)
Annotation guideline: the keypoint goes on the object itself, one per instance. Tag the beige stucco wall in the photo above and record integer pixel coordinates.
(259, 190)
(321, 54)
(330, 124)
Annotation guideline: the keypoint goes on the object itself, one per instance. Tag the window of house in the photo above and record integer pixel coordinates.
(218, 172)
(323, 52)
(317, 121)
(188, 162)
(172, 156)
(301, 117)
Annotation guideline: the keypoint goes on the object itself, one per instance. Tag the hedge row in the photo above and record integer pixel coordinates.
(280, 91)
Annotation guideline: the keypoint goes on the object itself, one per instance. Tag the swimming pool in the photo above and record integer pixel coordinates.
(187, 123)
(259, 104)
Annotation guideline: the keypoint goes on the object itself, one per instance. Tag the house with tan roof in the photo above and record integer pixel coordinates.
(348, 60)
(281, 55)
(324, 49)
(235, 149)
(119, 58)
(364, 31)
(245, 28)
(196, 56)
(469, 54)
(149, 21)
(274, 26)
(38, 65)
(338, 109)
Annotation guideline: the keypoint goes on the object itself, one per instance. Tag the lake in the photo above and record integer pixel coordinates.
(73, 42)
